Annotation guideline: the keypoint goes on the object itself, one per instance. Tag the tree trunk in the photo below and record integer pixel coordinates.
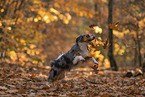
(139, 46)
(110, 32)
(96, 9)
(135, 54)
(143, 68)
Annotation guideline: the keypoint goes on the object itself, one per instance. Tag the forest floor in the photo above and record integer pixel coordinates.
(31, 81)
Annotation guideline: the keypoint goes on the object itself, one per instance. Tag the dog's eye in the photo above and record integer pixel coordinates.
(87, 36)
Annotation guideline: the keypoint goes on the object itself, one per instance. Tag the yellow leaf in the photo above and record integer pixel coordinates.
(97, 29)
(37, 52)
(35, 20)
(68, 16)
(65, 21)
(100, 38)
(32, 46)
(28, 52)
(33, 52)
(35, 62)
(54, 11)
(13, 55)
(97, 53)
(101, 57)
(9, 28)
(23, 41)
(45, 17)
(81, 13)
(106, 63)
(55, 18)
(121, 52)
(61, 16)
(2, 10)
(0, 24)
(67, 9)
(12, 36)
(56, 5)
(118, 34)
(126, 31)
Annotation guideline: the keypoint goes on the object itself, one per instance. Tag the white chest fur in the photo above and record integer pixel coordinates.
(84, 48)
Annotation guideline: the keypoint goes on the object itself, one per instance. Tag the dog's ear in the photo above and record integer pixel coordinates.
(79, 39)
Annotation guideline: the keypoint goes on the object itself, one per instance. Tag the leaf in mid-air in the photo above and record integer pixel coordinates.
(114, 26)
(91, 26)
(105, 44)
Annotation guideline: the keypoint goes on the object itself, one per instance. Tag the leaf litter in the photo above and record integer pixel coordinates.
(79, 82)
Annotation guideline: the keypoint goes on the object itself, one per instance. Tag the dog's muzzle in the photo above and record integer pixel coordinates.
(92, 38)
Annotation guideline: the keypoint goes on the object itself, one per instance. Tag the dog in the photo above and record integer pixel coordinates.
(75, 56)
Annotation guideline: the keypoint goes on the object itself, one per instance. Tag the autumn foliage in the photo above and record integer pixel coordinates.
(35, 32)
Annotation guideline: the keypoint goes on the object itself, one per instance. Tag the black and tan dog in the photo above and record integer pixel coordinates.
(75, 56)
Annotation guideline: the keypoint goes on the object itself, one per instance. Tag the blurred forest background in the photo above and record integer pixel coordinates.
(35, 32)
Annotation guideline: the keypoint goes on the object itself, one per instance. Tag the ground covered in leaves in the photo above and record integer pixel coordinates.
(31, 81)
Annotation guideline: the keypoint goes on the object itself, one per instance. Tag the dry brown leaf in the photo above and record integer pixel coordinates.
(105, 95)
(114, 26)
(52, 94)
(93, 25)
(3, 88)
(45, 87)
(95, 68)
(11, 86)
(12, 91)
(21, 91)
(105, 44)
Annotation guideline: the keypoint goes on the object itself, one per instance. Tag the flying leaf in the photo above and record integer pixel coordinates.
(114, 26)
(105, 44)
(95, 68)
(91, 26)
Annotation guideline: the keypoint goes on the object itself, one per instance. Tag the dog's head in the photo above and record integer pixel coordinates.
(85, 38)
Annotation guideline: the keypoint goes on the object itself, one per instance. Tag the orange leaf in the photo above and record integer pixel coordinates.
(105, 44)
(114, 26)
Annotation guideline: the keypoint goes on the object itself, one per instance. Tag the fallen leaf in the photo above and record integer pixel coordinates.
(52, 94)
(12, 91)
(21, 91)
(3, 88)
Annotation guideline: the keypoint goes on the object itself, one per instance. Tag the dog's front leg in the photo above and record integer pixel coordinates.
(77, 59)
(93, 59)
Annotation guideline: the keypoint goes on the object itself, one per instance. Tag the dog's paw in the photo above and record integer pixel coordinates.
(81, 58)
(47, 83)
(96, 62)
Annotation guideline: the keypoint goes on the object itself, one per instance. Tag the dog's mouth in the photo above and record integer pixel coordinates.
(91, 38)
